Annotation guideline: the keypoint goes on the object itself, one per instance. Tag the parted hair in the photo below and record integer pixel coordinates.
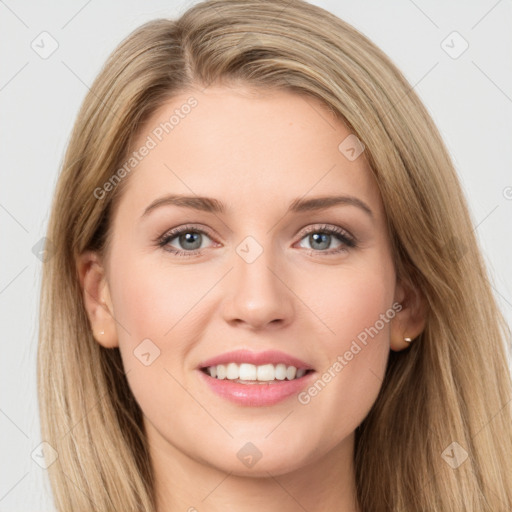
(453, 384)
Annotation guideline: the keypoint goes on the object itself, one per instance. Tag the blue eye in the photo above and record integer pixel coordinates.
(190, 240)
(320, 238)
(187, 237)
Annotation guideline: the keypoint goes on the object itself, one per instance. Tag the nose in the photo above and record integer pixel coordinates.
(259, 295)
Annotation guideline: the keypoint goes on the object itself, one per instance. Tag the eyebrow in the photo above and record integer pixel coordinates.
(211, 205)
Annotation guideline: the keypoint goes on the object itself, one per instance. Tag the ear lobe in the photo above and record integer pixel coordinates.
(410, 321)
(97, 301)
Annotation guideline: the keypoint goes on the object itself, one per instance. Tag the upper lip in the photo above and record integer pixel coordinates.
(256, 358)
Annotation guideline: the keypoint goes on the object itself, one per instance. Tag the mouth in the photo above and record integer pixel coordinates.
(247, 373)
(256, 378)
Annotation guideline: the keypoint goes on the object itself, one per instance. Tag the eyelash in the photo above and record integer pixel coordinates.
(348, 241)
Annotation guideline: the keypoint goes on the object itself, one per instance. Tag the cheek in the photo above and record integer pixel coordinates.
(160, 315)
(356, 309)
(152, 301)
(349, 302)
(153, 309)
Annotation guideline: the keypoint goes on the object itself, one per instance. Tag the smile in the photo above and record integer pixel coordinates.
(247, 373)
(255, 379)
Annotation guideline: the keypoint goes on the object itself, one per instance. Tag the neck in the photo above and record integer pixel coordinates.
(184, 484)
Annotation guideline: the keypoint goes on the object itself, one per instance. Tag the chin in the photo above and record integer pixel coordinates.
(250, 461)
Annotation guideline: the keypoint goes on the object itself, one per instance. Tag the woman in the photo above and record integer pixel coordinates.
(328, 342)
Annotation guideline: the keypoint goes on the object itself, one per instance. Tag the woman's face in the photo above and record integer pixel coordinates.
(266, 262)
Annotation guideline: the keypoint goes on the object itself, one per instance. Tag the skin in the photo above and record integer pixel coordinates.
(246, 148)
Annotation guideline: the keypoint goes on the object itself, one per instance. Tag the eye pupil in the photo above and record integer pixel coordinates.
(191, 238)
(322, 238)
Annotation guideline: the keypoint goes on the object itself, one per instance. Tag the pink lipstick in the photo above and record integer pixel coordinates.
(255, 378)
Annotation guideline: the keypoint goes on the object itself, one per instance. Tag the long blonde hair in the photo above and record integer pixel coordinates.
(452, 385)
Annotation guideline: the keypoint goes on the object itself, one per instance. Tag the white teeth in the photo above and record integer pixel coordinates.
(250, 372)
(221, 371)
(290, 372)
(266, 372)
(232, 372)
(281, 371)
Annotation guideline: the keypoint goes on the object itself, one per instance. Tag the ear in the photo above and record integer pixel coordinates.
(97, 299)
(410, 321)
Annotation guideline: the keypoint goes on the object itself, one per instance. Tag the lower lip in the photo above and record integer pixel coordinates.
(256, 395)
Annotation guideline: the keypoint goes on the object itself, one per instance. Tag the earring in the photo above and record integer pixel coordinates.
(101, 332)
(408, 340)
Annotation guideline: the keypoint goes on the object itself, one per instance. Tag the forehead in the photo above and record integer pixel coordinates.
(245, 147)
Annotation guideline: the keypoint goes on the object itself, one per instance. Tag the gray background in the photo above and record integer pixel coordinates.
(469, 97)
